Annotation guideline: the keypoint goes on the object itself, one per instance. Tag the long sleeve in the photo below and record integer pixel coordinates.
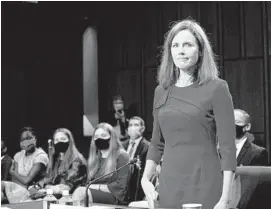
(225, 127)
(156, 148)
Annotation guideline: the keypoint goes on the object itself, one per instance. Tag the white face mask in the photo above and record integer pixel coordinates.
(134, 132)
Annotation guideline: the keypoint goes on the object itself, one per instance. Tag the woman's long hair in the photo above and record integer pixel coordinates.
(94, 160)
(69, 157)
(206, 69)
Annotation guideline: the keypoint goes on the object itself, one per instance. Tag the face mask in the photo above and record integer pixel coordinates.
(102, 144)
(239, 131)
(29, 145)
(61, 147)
(134, 132)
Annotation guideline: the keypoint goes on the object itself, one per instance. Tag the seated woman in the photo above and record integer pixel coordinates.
(106, 154)
(29, 166)
(67, 166)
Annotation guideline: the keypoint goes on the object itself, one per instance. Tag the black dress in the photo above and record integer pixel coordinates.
(186, 122)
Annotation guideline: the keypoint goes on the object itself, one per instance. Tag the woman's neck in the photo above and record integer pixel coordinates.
(185, 78)
(105, 153)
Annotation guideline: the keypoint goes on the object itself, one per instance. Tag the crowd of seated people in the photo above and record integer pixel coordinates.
(32, 171)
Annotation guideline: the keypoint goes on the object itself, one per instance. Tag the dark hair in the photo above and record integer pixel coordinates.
(117, 97)
(31, 133)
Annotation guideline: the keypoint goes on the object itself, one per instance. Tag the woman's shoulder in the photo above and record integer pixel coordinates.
(217, 82)
(123, 156)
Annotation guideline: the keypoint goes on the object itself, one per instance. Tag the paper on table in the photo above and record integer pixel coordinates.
(57, 206)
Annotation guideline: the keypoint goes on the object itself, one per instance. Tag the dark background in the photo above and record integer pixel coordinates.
(41, 82)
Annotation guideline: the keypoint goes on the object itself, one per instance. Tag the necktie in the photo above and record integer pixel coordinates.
(132, 149)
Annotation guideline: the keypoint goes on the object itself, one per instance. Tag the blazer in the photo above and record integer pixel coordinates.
(135, 191)
(250, 155)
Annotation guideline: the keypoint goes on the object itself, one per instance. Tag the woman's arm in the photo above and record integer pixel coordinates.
(26, 180)
(228, 177)
(225, 126)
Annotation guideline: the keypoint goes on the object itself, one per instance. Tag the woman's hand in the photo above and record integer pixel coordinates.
(222, 205)
(149, 191)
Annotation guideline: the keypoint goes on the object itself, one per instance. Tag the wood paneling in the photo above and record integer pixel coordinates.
(129, 79)
(151, 36)
(259, 139)
(150, 85)
(188, 10)
(231, 29)
(209, 22)
(253, 29)
(245, 79)
(269, 24)
(169, 15)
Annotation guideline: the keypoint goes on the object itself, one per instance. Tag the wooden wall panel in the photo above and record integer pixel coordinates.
(133, 45)
(188, 10)
(129, 79)
(231, 30)
(169, 15)
(259, 139)
(209, 22)
(150, 85)
(116, 51)
(253, 29)
(151, 36)
(245, 79)
(269, 24)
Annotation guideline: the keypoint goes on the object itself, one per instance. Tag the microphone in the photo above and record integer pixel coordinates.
(50, 154)
(132, 161)
(138, 162)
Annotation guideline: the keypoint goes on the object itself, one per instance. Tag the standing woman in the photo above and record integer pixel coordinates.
(191, 107)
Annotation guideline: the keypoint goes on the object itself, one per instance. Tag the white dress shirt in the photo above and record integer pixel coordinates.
(136, 141)
(239, 144)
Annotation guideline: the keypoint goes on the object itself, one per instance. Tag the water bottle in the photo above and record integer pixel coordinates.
(66, 198)
(50, 198)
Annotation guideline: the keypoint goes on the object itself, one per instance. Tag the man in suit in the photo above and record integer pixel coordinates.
(137, 147)
(247, 154)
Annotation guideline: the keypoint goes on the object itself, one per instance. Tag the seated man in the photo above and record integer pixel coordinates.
(247, 154)
(137, 147)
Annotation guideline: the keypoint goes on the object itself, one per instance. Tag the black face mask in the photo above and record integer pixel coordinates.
(102, 144)
(61, 147)
(239, 131)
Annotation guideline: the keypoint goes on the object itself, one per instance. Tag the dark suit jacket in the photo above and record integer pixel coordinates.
(252, 155)
(5, 166)
(135, 191)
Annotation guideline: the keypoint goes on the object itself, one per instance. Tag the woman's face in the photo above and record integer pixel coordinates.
(102, 139)
(28, 142)
(61, 142)
(185, 50)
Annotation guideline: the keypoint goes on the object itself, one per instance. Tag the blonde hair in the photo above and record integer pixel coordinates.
(69, 157)
(115, 148)
(206, 67)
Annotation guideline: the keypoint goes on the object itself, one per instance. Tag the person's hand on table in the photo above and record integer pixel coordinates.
(149, 191)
